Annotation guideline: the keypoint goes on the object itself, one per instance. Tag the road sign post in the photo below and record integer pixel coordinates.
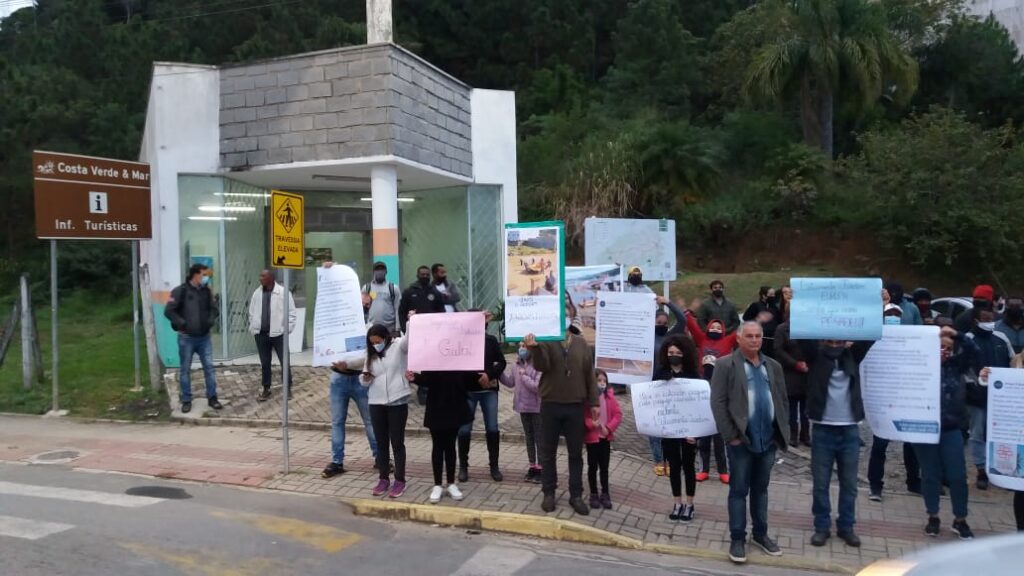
(287, 237)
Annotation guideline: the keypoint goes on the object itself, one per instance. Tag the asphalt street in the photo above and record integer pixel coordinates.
(56, 521)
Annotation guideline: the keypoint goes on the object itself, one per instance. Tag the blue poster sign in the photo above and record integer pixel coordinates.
(836, 309)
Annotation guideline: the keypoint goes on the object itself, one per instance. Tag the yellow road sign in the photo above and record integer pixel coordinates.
(286, 230)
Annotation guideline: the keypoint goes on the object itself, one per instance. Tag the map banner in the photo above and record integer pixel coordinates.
(649, 244)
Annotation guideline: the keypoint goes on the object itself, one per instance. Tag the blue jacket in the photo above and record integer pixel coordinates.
(911, 316)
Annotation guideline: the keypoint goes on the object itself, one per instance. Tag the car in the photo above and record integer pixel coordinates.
(952, 306)
(991, 556)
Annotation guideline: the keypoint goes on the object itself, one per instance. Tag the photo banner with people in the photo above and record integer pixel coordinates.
(625, 336)
(836, 309)
(1004, 447)
(535, 281)
(443, 342)
(583, 283)
(339, 329)
(679, 408)
(900, 384)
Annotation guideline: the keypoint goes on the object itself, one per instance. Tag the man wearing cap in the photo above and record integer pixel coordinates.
(381, 299)
(635, 282)
(982, 297)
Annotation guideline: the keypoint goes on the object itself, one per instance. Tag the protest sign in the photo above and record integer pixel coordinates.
(900, 384)
(679, 408)
(625, 336)
(535, 281)
(339, 330)
(836, 309)
(1005, 435)
(582, 284)
(447, 342)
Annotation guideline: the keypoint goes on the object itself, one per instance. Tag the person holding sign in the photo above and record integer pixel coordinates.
(599, 436)
(748, 398)
(676, 359)
(446, 411)
(567, 386)
(389, 392)
(483, 391)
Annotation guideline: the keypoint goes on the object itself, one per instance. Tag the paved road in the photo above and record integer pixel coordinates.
(56, 521)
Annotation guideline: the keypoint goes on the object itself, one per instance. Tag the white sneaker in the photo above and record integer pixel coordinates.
(435, 494)
(454, 492)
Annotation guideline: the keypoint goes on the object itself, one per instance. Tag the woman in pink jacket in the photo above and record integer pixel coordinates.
(598, 437)
(526, 401)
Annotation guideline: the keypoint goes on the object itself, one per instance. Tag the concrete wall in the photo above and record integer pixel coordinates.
(494, 146)
(353, 102)
(1009, 13)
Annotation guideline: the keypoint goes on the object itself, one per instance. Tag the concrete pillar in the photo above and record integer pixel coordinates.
(384, 191)
(379, 27)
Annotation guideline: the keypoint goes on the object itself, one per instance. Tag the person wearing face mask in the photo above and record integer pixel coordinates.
(382, 299)
(765, 311)
(922, 298)
(835, 406)
(448, 289)
(994, 351)
(525, 379)
(711, 345)
(677, 358)
(892, 315)
(388, 391)
(600, 433)
(482, 390)
(266, 324)
(635, 282)
(420, 297)
(909, 314)
(718, 307)
(192, 310)
(1012, 324)
(661, 320)
(982, 298)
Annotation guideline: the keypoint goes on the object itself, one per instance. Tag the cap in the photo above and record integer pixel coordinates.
(984, 292)
(635, 270)
(893, 308)
(378, 265)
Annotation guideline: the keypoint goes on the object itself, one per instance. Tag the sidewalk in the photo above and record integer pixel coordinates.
(252, 457)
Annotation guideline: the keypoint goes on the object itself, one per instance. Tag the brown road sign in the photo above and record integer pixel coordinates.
(286, 232)
(82, 197)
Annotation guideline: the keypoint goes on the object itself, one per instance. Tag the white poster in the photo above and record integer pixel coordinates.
(677, 408)
(649, 244)
(625, 336)
(1005, 435)
(900, 384)
(339, 330)
(535, 281)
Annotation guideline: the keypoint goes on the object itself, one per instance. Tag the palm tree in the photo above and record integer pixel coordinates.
(827, 49)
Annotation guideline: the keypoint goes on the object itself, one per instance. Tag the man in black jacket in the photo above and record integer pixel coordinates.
(835, 406)
(484, 392)
(193, 312)
(994, 351)
(420, 297)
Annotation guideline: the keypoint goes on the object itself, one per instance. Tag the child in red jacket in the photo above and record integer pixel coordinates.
(598, 436)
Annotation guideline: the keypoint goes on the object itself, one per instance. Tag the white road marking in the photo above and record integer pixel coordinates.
(29, 529)
(496, 561)
(90, 496)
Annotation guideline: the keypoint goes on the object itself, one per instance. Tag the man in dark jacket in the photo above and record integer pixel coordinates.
(982, 298)
(483, 392)
(718, 307)
(835, 405)
(420, 297)
(193, 312)
(994, 351)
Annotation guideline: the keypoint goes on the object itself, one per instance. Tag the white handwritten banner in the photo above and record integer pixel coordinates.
(339, 330)
(535, 281)
(678, 408)
(1004, 449)
(900, 384)
(447, 342)
(836, 309)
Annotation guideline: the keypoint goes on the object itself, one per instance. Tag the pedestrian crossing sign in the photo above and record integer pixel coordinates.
(287, 230)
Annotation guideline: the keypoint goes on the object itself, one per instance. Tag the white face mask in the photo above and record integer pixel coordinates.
(987, 326)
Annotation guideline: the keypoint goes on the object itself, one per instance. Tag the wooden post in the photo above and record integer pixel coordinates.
(8, 333)
(27, 338)
(149, 325)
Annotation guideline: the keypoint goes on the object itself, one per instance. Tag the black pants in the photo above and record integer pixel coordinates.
(561, 420)
(389, 429)
(798, 414)
(266, 345)
(442, 453)
(876, 465)
(531, 428)
(682, 457)
(599, 456)
(1018, 509)
(705, 454)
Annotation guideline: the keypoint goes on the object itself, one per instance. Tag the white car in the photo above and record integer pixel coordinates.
(952, 306)
(991, 556)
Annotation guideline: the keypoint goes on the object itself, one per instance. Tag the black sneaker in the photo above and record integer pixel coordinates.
(820, 538)
(186, 407)
(963, 530)
(548, 505)
(496, 474)
(933, 527)
(333, 469)
(264, 395)
(214, 403)
(915, 489)
(579, 506)
(982, 480)
(687, 515)
(875, 496)
(768, 545)
(850, 537)
(463, 474)
(677, 512)
(738, 551)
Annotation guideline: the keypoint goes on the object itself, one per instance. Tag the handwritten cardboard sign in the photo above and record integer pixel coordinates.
(836, 309)
(447, 342)
(679, 408)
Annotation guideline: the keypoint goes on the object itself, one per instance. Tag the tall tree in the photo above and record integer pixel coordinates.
(830, 49)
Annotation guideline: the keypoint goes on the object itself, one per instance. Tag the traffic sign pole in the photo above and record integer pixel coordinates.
(55, 409)
(287, 250)
(286, 369)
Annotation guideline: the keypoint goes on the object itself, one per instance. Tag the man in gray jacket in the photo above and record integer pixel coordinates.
(381, 299)
(751, 409)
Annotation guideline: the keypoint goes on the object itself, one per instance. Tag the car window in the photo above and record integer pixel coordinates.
(958, 309)
(941, 307)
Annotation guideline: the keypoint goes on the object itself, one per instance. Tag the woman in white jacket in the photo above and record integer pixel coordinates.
(389, 393)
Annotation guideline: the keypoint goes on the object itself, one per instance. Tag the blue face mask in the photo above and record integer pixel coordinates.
(524, 354)
(891, 320)
(204, 281)
(380, 347)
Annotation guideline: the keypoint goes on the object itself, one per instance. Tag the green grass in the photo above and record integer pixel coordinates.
(740, 288)
(96, 363)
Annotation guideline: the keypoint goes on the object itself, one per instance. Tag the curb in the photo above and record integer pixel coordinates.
(559, 530)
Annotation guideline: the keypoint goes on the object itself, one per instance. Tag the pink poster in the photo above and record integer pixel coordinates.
(446, 342)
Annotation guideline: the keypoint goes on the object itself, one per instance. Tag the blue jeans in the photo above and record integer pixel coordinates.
(839, 446)
(979, 423)
(203, 346)
(344, 388)
(488, 402)
(751, 473)
(657, 452)
(944, 460)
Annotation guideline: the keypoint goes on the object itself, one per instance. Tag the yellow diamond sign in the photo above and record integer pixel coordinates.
(286, 230)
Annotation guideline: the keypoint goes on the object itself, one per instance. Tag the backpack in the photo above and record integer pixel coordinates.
(391, 290)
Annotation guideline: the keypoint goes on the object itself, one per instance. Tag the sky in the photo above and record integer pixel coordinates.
(8, 6)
